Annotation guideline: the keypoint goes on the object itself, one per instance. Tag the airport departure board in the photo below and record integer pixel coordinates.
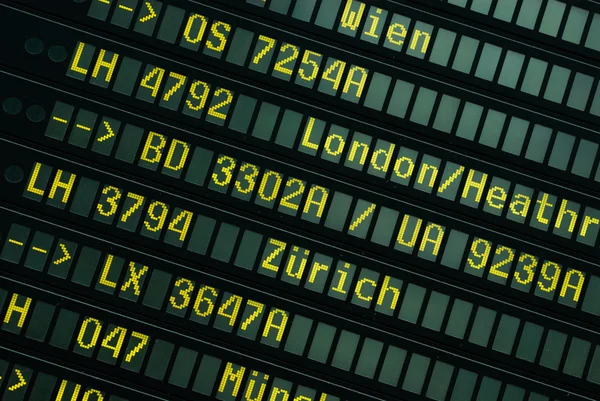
(300, 200)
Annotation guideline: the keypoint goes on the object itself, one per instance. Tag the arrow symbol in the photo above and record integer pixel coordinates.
(110, 134)
(21, 382)
(151, 13)
(66, 254)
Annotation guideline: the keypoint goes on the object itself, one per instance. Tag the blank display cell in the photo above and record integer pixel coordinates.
(327, 13)
(43, 387)
(580, 91)
(595, 108)
(436, 310)
(321, 343)
(338, 212)
(345, 350)
(41, 318)
(201, 234)
(552, 17)
(86, 266)
(298, 335)
(265, 122)
(226, 238)
(242, 114)
(170, 25)
(183, 367)
(459, 318)
(157, 289)
(369, 358)
(423, 106)
(594, 372)
(538, 144)
(206, 374)
(591, 302)
(505, 10)
(537, 397)
(529, 342)
(506, 334)
(492, 128)
(489, 389)
(481, 6)
(469, 121)
(411, 304)
(593, 34)
(446, 114)
(464, 385)
(513, 393)
(281, 7)
(392, 366)
(240, 45)
(439, 382)
(248, 250)
(377, 92)
(553, 349)
(457, 242)
(288, 128)
(401, 95)
(515, 136)
(384, 228)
